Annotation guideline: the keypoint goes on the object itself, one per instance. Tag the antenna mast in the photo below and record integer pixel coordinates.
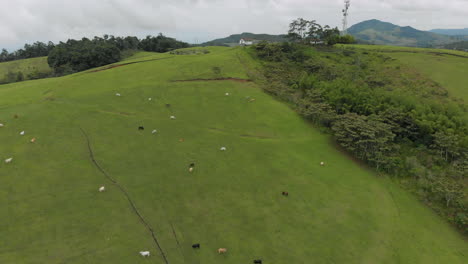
(345, 16)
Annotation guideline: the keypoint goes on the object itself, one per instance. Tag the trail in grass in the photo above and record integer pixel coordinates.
(132, 204)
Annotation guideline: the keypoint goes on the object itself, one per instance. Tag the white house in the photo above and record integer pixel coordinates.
(246, 41)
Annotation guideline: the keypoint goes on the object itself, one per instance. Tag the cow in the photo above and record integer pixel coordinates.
(222, 250)
(8, 160)
(322, 163)
(257, 261)
(141, 128)
(33, 140)
(22, 133)
(222, 148)
(145, 253)
(2, 125)
(117, 94)
(196, 245)
(102, 188)
(285, 193)
(172, 117)
(154, 131)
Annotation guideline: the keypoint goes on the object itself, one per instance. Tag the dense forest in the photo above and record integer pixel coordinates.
(78, 55)
(396, 121)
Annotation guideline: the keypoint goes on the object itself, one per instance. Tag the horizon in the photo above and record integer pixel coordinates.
(204, 20)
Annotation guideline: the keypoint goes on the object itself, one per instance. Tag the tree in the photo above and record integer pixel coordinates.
(298, 29)
(447, 144)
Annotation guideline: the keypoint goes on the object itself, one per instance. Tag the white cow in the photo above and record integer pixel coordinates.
(102, 188)
(145, 253)
(227, 94)
(22, 133)
(322, 163)
(1, 125)
(8, 160)
(117, 94)
(222, 148)
(149, 99)
(154, 131)
(172, 117)
(190, 169)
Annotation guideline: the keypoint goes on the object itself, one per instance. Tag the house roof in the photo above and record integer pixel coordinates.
(247, 39)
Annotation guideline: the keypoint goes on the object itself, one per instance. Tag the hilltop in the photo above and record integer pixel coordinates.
(383, 33)
(88, 137)
(234, 39)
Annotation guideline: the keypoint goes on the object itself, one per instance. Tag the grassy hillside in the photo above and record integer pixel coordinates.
(30, 68)
(447, 67)
(52, 211)
(384, 33)
(234, 39)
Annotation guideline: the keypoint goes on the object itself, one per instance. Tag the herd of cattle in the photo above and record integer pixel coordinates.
(191, 169)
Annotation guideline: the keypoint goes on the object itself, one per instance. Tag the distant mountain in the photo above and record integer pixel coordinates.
(384, 33)
(451, 32)
(234, 39)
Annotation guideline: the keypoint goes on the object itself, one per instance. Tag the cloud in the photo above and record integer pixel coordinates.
(24, 21)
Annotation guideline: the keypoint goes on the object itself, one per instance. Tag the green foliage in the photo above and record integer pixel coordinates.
(161, 43)
(37, 49)
(307, 32)
(79, 55)
(388, 116)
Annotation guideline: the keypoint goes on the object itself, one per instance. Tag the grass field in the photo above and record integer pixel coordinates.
(27, 66)
(446, 67)
(52, 211)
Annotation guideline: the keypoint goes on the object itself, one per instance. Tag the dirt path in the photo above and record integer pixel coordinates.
(132, 204)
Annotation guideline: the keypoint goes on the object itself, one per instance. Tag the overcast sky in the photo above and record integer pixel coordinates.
(23, 21)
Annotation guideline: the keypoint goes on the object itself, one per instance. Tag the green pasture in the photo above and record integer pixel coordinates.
(447, 67)
(52, 211)
(33, 66)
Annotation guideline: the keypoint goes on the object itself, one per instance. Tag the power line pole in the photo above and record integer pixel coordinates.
(345, 17)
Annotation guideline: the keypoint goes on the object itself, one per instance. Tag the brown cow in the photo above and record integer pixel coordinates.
(222, 250)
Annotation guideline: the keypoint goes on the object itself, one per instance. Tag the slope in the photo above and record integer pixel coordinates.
(447, 67)
(53, 213)
(384, 33)
(30, 69)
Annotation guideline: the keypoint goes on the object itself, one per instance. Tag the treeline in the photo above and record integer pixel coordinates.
(78, 55)
(398, 122)
(37, 49)
(311, 32)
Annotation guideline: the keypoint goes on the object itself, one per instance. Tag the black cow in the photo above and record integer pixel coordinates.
(192, 165)
(285, 193)
(258, 261)
(196, 245)
(168, 105)
(141, 128)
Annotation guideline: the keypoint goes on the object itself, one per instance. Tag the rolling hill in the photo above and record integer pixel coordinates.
(384, 33)
(234, 39)
(34, 68)
(88, 137)
(447, 67)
